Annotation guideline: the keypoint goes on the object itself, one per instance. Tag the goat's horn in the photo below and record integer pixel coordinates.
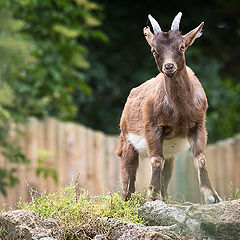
(176, 22)
(155, 25)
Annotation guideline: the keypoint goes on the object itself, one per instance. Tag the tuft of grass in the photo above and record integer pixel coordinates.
(234, 194)
(81, 214)
(3, 233)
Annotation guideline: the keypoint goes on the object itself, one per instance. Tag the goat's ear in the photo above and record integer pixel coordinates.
(148, 35)
(190, 37)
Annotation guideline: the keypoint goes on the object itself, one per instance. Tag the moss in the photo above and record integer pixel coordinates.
(209, 228)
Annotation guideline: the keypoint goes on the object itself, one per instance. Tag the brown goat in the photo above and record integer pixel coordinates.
(164, 115)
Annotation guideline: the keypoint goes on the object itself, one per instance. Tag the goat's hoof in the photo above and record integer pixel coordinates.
(212, 199)
(153, 195)
(127, 197)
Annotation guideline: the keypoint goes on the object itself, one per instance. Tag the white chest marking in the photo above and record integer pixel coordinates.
(170, 147)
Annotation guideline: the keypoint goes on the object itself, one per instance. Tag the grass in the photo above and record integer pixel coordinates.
(3, 233)
(81, 214)
(234, 194)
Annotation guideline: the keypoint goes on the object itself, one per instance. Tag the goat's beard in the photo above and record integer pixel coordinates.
(170, 74)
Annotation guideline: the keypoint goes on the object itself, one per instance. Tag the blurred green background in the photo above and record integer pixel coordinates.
(77, 60)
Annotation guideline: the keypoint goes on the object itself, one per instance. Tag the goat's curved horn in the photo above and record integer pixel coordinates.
(155, 25)
(176, 22)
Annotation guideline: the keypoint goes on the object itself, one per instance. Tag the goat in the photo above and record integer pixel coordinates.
(164, 115)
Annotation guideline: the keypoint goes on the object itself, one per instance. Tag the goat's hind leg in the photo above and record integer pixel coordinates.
(129, 165)
(166, 176)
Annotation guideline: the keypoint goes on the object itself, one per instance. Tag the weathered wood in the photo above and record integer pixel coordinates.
(3, 199)
(62, 163)
(236, 176)
(91, 169)
(100, 163)
(113, 178)
(229, 168)
(31, 149)
(143, 174)
(41, 147)
(50, 146)
(79, 151)
(82, 159)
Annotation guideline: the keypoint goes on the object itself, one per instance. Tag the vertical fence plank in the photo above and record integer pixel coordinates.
(210, 163)
(61, 164)
(69, 151)
(100, 163)
(224, 185)
(3, 199)
(235, 173)
(230, 168)
(50, 147)
(112, 178)
(31, 153)
(82, 149)
(116, 160)
(143, 174)
(218, 174)
(75, 154)
(12, 192)
(185, 179)
(91, 181)
(194, 193)
(21, 188)
(41, 147)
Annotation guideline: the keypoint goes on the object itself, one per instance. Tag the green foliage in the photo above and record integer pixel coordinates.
(43, 57)
(73, 207)
(56, 31)
(223, 97)
(43, 169)
(11, 152)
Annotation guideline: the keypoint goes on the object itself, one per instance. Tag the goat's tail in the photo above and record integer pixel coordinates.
(120, 146)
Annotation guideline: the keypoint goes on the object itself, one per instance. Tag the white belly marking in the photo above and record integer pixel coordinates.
(170, 147)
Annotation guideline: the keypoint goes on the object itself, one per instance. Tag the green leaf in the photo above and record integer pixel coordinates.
(80, 61)
(66, 31)
(100, 35)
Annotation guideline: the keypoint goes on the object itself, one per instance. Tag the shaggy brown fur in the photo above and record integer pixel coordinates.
(173, 104)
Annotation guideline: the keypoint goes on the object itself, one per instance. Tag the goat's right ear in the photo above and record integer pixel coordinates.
(148, 35)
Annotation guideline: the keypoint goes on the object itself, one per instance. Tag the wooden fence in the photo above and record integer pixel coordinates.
(73, 150)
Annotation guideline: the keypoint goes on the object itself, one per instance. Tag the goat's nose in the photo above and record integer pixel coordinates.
(168, 66)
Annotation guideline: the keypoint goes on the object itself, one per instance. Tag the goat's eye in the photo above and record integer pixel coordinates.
(182, 47)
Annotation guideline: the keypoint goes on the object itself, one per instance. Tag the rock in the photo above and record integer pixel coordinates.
(99, 237)
(25, 224)
(165, 222)
(122, 230)
(217, 221)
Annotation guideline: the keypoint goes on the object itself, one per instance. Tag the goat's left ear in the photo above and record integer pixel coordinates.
(190, 37)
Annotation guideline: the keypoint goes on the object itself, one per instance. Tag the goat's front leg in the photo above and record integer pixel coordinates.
(154, 143)
(197, 139)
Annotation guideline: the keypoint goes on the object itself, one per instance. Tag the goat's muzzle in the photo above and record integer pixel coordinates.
(169, 69)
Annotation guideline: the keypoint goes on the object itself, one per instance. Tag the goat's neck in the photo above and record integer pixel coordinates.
(179, 88)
